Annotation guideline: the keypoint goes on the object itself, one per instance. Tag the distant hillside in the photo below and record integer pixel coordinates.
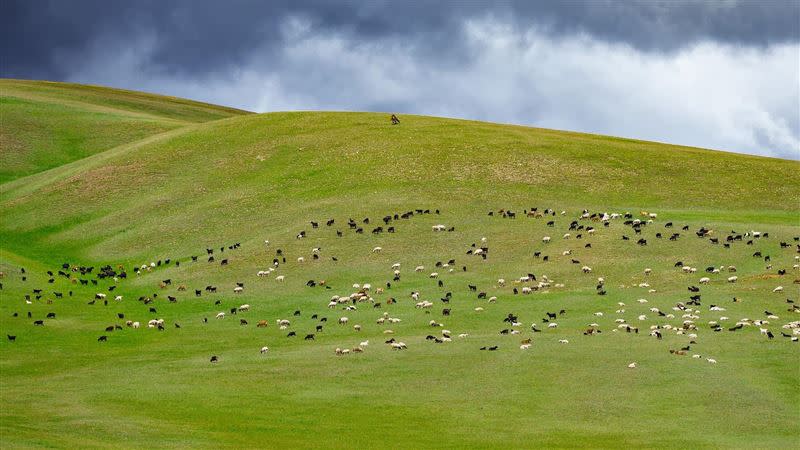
(45, 124)
(233, 175)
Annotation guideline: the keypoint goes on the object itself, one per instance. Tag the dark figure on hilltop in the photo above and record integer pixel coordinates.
(395, 120)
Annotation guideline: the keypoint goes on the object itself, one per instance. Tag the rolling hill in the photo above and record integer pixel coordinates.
(166, 179)
(44, 125)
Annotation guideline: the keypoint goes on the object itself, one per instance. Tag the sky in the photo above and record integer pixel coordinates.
(721, 74)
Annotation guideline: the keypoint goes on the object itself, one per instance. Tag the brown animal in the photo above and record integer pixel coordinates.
(261, 324)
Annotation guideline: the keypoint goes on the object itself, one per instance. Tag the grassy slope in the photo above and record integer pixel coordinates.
(264, 177)
(45, 125)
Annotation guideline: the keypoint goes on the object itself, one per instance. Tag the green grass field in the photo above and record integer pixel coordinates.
(45, 125)
(93, 176)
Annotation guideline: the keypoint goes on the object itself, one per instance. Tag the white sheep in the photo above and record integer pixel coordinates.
(264, 349)
(280, 278)
(733, 279)
(377, 250)
(221, 315)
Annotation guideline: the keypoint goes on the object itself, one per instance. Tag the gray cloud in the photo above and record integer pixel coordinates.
(196, 37)
(713, 74)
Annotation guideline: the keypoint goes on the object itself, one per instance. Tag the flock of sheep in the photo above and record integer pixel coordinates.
(689, 316)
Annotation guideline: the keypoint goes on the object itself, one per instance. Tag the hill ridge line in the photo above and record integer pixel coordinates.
(110, 89)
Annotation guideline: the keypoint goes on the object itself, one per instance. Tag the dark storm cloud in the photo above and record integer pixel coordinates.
(47, 38)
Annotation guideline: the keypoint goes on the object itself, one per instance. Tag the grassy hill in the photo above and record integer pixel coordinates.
(45, 124)
(198, 186)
